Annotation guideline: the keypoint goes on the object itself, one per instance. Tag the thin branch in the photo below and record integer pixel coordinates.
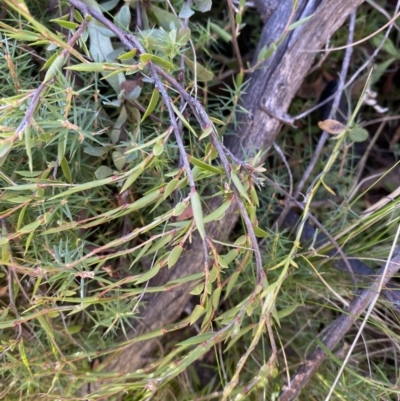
(325, 135)
(318, 224)
(234, 35)
(349, 82)
(26, 121)
(339, 328)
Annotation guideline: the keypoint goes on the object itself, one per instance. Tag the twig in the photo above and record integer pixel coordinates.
(319, 225)
(182, 76)
(351, 80)
(384, 273)
(324, 136)
(339, 328)
(285, 162)
(382, 11)
(234, 35)
(37, 94)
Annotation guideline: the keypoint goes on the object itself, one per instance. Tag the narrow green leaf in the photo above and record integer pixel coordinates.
(65, 169)
(218, 213)
(220, 32)
(179, 208)
(300, 22)
(28, 174)
(78, 16)
(266, 52)
(149, 274)
(158, 149)
(215, 297)
(196, 314)
(209, 287)
(146, 57)
(49, 61)
(49, 331)
(205, 166)
(24, 35)
(5, 146)
(171, 186)
(186, 279)
(128, 55)
(153, 103)
(229, 257)
(254, 196)
(216, 121)
(24, 358)
(55, 68)
(213, 273)
(183, 119)
(95, 151)
(202, 73)
(66, 24)
(145, 201)
(260, 233)
(231, 284)
(74, 329)
(200, 338)
(288, 310)
(135, 174)
(92, 67)
(160, 244)
(86, 186)
(206, 321)
(29, 227)
(21, 217)
(28, 145)
(206, 132)
(198, 213)
(198, 289)
(174, 255)
(239, 186)
(62, 143)
(141, 253)
(147, 144)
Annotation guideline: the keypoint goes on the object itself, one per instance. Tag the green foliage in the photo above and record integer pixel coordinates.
(95, 203)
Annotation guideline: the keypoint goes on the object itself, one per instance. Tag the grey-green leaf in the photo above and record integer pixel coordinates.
(103, 172)
(358, 134)
(119, 160)
(123, 17)
(203, 5)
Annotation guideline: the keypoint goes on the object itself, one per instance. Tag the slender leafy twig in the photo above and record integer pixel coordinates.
(132, 43)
